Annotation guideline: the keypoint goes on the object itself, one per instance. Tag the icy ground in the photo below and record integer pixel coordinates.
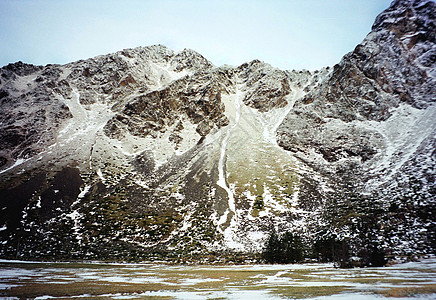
(129, 281)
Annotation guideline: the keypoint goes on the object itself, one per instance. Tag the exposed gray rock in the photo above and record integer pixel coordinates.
(266, 86)
(381, 73)
(190, 60)
(31, 111)
(364, 126)
(198, 97)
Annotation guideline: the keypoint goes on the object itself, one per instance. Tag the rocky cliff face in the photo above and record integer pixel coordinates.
(373, 118)
(150, 154)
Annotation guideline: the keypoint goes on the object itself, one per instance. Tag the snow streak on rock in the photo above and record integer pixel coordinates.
(222, 175)
(222, 170)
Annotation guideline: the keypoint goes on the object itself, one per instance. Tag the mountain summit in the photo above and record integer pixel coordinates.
(150, 154)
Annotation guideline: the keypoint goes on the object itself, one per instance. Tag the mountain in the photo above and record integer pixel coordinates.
(368, 130)
(149, 154)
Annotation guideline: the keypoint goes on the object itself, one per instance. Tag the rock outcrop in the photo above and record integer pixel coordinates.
(372, 118)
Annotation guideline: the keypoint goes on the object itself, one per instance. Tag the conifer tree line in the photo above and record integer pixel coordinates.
(290, 248)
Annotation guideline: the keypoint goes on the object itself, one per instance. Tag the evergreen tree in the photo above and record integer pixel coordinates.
(292, 248)
(284, 249)
(272, 250)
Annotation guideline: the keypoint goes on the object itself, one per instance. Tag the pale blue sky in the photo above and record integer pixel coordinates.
(292, 34)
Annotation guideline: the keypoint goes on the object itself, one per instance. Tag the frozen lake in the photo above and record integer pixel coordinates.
(20, 280)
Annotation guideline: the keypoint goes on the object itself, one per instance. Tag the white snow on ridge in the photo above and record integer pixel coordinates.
(160, 147)
(166, 75)
(272, 119)
(403, 134)
(82, 135)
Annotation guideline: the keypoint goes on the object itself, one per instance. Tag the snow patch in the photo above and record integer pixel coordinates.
(222, 178)
(235, 102)
(100, 174)
(84, 191)
(17, 163)
(403, 134)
